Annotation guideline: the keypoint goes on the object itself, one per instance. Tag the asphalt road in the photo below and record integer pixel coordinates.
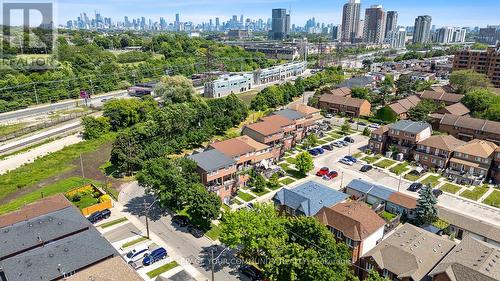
(122, 232)
(197, 251)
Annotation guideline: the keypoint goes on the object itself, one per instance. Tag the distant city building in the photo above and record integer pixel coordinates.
(489, 35)
(482, 61)
(280, 24)
(422, 30)
(374, 26)
(350, 20)
(238, 34)
(397, 38)
(336, 32)
(448, 34)
(391, 22)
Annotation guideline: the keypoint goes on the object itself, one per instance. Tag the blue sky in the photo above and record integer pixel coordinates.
(444, 12)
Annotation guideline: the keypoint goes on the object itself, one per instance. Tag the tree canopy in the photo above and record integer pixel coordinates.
(467, 80)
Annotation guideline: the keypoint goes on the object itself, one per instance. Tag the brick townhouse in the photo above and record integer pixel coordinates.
(472, 161)
(352, 107)
(355, 224)
(403, 135)
(440, 97)
(402, 106)
(435, 151)
(495, 170)
(468, 128)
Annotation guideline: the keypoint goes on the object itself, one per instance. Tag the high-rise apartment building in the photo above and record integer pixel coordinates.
(374, 26)
(447, 34)
(336, 32)
(397, 38)
(280, 25)
(482, 61)
(391, 22)
(422, 30)
(350, 20)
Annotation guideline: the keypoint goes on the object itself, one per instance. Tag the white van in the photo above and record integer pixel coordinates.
(136, 254)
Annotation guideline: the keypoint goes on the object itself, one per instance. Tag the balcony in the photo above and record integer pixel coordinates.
(216, 186)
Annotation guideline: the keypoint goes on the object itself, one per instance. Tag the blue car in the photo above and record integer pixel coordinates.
(155, 256)
(350, 158)
(313, 152)
(320, 150)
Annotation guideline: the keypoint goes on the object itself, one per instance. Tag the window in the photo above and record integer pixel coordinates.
(385, 273)
(369, 266)
(349, 242)
(338, 233)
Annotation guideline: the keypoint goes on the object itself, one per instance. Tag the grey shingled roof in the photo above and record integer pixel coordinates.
(27, 234)
(309, 197)
(57, 258)
(375, 190)
(212, 160)
(410, 126)
(471, 224)
(471, 260)
(361, 81)
(289, 113)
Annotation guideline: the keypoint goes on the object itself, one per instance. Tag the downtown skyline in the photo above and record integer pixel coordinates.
(444, 13)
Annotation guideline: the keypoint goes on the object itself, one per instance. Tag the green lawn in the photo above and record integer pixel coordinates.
(291, 160)
(85, 201)
(245, 196)
(133, 242)
(450, 188)
(162, 269)
(431, 180)
(8, 129)
(475, 193)
(387, 216)
(287, 181)
(357, 154)
(48, 166)
(265, 191)
(400, 168)
(226, 208)
(329, 139)
(292, 172)
(385, 163)
(371, 159)
(58, 187)
(321, 142)
(214, 232)
(111, 223)
(411, 177)
(493, 199)
(236, 201)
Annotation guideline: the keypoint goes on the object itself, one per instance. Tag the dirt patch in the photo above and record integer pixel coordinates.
(91, 163)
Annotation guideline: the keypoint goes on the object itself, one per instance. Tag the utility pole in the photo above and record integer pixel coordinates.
(146, 215)
(213, 266)
(81, 166)
(36, 94)
(399, 184)
(341, 180)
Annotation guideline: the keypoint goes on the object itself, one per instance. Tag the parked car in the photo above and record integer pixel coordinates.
(415, 186)
(337, 144)
(250, 205)
(327, 147)
(366, 168)
(320, 150)
(251, 272)
(437, 192)
(323, 171)
(374, 126)
(180, 220)
(331, 175)
(99, 215)
(346, 161)
(361, 123)
(195, 231)
(352, 121)
(137, 254)
(344, 143)
(349, 139)
(156, 255)
(328, 115)
(350, 158)
(313, 152)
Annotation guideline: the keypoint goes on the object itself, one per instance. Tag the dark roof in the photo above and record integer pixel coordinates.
(437, 96)
(471, 123)
(355, 219)
(348, 101)
(360, 81)
(471, 260)
(403, 105)
(443, 142)
(373, 189)
(410, 126)
(212, 160)
(471, 224)
(289, 114)
(309, 197)
(457, 109)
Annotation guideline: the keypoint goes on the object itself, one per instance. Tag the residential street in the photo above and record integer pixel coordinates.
(196, 251)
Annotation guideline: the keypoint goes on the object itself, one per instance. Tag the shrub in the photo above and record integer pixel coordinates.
(104, 198)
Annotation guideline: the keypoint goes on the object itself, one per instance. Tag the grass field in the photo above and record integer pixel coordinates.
(387, 216)
(287, 181)
(291, 160)
(400, 168)
(58, 187)
(247, 97)
(162, 269)
(133, 242)
(245, 196)
(475, 193)
(357, 154)
(431, 180)
(114, 222)
(493, 199)
(85, 201)
(385, 163)
(48, 166)
(265, 191)
(412, 177)
(214, 232)
(450, 188)
(8, 129)
(371, 159)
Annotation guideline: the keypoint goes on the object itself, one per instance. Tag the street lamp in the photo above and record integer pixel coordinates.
(146, 212)
(216, 258)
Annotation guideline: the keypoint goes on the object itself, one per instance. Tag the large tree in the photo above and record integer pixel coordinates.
(466, 80)
(204, 206)
(175, 89)
(360, 93)
(426, 206)
(483, 103)
(374, 276)
(422, 110)
(95, 127)
(304, 163)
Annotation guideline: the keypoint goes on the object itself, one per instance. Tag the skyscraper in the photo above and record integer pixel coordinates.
(391, 22)
(374, 26)
(280, 24)
(422, 30)
(336, 32)
(397, 38)
(350, 20)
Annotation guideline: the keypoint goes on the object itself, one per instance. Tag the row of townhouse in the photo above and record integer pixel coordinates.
(469, 162)
(406, 252)
(222, 165)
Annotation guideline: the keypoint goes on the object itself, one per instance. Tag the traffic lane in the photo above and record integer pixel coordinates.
(123, 232)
